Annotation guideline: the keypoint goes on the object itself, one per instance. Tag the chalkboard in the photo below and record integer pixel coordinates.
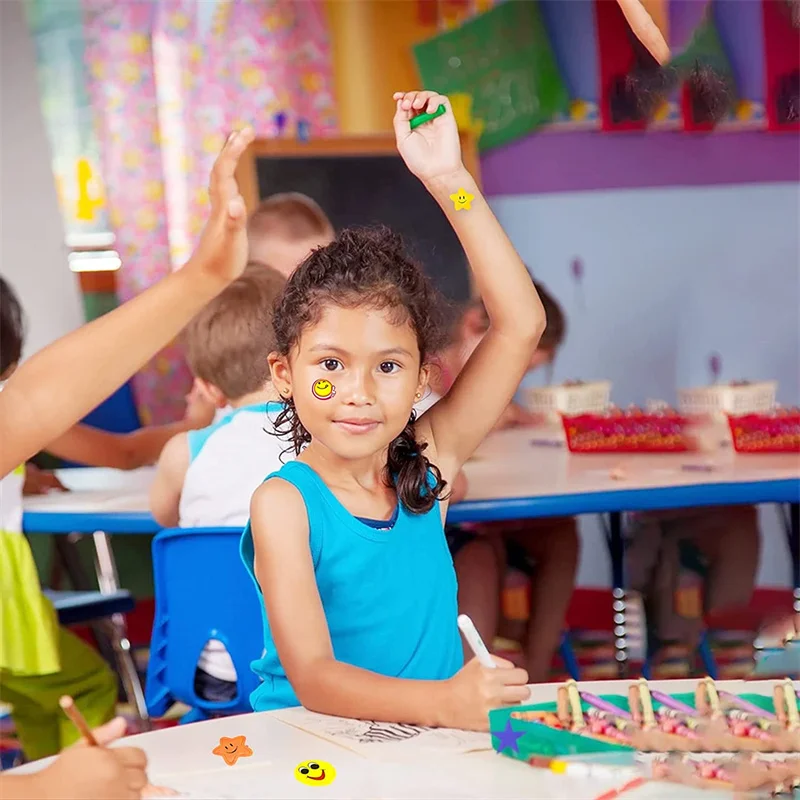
(357, 189)
(504, 60)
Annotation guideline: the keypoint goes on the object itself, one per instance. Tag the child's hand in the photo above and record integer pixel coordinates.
(222, 250)
(100, 773)
(39, 481)
(475, 690)
(433, 150)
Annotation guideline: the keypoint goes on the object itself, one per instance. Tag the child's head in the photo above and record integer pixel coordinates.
(228, 342)
(354, 329)
(285, 228)
(475, 323)
(12, 330)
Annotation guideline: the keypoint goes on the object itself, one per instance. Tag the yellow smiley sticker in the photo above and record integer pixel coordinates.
(323, 390)
(315, 773)
(462, 199)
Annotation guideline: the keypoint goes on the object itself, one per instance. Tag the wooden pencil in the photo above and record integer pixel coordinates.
(71, 710)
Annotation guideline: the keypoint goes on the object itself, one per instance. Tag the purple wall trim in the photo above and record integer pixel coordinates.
(582, 161)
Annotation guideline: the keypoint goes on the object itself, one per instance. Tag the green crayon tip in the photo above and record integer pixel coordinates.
(421, 119)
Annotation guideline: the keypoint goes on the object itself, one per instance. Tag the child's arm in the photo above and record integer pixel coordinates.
(285, 572)
(165, 491)
(63, 382)
(493, 372)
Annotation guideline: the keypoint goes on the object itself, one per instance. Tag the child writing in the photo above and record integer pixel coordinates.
(346, 543)
(81, 369)
(550, 546)
(39, 660)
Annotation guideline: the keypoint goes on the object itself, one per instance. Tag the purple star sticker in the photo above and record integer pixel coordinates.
(508, 738)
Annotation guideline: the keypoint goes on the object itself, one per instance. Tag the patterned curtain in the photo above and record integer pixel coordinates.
(168, 79)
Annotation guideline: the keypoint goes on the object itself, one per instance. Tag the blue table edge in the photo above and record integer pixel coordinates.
(702, 494)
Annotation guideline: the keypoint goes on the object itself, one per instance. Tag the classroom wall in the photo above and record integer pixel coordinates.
(689, 246)
(32, 251)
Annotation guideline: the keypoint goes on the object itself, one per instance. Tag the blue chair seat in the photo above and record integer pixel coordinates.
(74, 608)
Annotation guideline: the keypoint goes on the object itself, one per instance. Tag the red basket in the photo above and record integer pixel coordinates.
(762, 433)
(635, 433)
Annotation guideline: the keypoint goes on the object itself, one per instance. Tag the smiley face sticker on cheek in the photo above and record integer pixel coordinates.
(315, 773)
(323, 390)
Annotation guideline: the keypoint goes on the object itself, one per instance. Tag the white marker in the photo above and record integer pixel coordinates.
(467, 627)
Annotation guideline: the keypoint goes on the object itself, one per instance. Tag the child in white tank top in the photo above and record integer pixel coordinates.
(205, 478)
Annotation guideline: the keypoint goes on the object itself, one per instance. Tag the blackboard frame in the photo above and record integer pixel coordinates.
(379, 145)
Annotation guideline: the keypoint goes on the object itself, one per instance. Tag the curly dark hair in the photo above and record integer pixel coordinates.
(12, 326)
(367, 268)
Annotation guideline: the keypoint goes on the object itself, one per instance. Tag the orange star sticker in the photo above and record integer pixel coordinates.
(232, 749)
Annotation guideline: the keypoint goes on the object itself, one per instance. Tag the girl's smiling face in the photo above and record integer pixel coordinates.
(371, 364)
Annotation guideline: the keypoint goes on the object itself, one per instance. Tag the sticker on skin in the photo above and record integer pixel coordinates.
(323, 390)
(462, 199)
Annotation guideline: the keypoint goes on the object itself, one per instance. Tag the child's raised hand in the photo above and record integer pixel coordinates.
(475, 690)
(222, 250)
(432, 150)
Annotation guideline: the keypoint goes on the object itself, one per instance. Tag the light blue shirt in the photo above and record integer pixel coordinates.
(389, 595)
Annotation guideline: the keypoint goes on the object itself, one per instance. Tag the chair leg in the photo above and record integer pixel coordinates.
(107, 579)
(126, 666)
(194, 715)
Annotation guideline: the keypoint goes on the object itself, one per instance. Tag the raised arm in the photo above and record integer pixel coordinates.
(490, 378)
(56, 387)
(285, 572)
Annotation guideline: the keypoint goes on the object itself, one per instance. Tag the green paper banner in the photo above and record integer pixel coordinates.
(504, 61)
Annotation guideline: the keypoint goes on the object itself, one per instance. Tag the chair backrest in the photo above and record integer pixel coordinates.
(117, 413)
(202, 591)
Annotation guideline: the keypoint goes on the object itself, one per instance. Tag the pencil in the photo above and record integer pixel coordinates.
(626, 787)
(71, 710)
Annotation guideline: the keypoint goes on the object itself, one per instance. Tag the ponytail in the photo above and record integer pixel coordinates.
(407, 469)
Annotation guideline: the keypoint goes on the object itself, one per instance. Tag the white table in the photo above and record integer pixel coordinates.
(181, 758)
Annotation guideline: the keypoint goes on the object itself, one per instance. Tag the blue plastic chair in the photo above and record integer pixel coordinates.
(117, 413)
(202, 592)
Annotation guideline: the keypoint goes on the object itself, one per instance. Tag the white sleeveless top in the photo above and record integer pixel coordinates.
(228, 461)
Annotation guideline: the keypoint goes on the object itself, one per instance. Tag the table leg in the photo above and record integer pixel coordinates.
(793, 533)
(107, 580)
(616, 547)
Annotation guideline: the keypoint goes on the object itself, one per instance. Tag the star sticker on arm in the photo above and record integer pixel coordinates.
(508, 738)
(462, 199)
(232, 749)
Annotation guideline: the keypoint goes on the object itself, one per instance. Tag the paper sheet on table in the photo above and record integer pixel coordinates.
(384, 738)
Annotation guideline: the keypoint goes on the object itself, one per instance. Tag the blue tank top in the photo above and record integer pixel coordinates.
(389, 595)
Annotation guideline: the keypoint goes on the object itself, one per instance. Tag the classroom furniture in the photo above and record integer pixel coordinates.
(181, 758)
(77, 608)
(362, 180)
(510, 476)
(202, 591)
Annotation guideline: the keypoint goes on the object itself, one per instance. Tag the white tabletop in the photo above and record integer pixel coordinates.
(507, 466)
(181, 758)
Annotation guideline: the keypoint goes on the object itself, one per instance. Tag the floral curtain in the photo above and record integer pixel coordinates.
(168, 79)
